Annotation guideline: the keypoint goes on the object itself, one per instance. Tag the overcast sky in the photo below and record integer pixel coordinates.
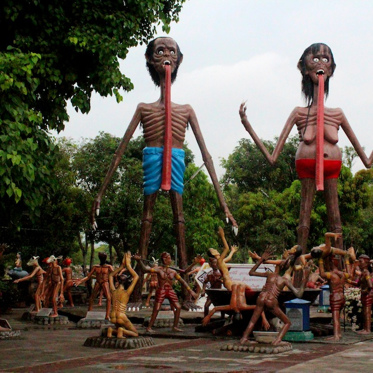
(237, 50)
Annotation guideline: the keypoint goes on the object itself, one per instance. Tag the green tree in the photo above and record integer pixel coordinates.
(52, 52)
(248, 169)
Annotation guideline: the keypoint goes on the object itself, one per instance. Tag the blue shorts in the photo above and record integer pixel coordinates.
(152, 166)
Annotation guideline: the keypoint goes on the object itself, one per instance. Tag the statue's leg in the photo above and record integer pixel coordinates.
(306, 202)
(146, 228)
(156, 308)
(56, 287)
(281, 315)
(177, 309)
(37, 297)
(254, 318)
(94, 294)
(179, 225)
(146, 223)
(332, 207)
(106, 291)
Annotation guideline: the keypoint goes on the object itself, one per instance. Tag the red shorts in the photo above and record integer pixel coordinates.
(306, 168)
(166, 293)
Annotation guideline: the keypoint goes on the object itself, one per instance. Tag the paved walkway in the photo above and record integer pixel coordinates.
(60, 349)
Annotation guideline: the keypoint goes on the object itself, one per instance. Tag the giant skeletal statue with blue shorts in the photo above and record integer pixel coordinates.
(160, 52)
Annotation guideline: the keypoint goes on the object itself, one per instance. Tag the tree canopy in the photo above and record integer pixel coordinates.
(52, 52)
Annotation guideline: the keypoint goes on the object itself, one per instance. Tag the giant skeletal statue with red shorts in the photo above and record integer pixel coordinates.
(161, 53)
(316, 63)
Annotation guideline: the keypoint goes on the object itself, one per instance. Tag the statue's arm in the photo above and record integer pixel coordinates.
(115, 162)
(234, 249)
(225, 244)
(192, 119)
(355, 142)
(134, 275)
(281, 140)
(30, 276)
(114, 273)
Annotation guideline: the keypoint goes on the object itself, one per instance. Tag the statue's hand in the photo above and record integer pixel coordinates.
(137, 257)
(95, 210)
(230, 218)
(254, 256)
(127, 258)
(242, 111)
(234, 249)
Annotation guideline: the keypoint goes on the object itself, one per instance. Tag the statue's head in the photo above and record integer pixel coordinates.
(213, 262)
(316, 59)
(33, 261)
(67, 262)
(166, 258)
(102, 256)
(159, 52)
(364, 261)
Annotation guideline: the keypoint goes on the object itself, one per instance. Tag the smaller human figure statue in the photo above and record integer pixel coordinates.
(214, 278)
(290, 255)
(39, 273)
(57, 283)
(166, 277)
(152, 280)
(18, 262)
(17, 272)
(101, 271)
(315, 281)
(366, 286)
(268, 298)
(119, 299)
(237, 288)
(69, 282)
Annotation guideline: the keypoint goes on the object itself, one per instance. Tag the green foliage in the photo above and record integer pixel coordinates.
(52, 52)
(267, 209)
(247, 168)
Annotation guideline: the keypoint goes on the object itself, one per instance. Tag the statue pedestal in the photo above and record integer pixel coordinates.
(6, 331)
(119, 343)
(258, 348)
(94, 320)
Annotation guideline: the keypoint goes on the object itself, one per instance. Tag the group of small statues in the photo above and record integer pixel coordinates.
(338, 268)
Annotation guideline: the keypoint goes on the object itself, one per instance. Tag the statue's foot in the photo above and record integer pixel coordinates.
(149, 330)
(363, 332)
(54, 315)
(174, 329)
(243, 340)
(276, 342)
(334, 338)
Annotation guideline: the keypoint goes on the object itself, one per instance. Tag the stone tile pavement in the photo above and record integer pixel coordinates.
(60, 349)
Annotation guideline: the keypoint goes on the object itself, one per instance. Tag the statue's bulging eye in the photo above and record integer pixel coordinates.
(325, 59)
(160, 52)
(315, 59)
(172, 53)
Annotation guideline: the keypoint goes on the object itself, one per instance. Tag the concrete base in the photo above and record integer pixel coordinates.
(10, 334)
(119, 343)
(92, 324)
(258, 348)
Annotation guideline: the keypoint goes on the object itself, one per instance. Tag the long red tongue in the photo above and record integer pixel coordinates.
(320, 136)
(167, 150)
